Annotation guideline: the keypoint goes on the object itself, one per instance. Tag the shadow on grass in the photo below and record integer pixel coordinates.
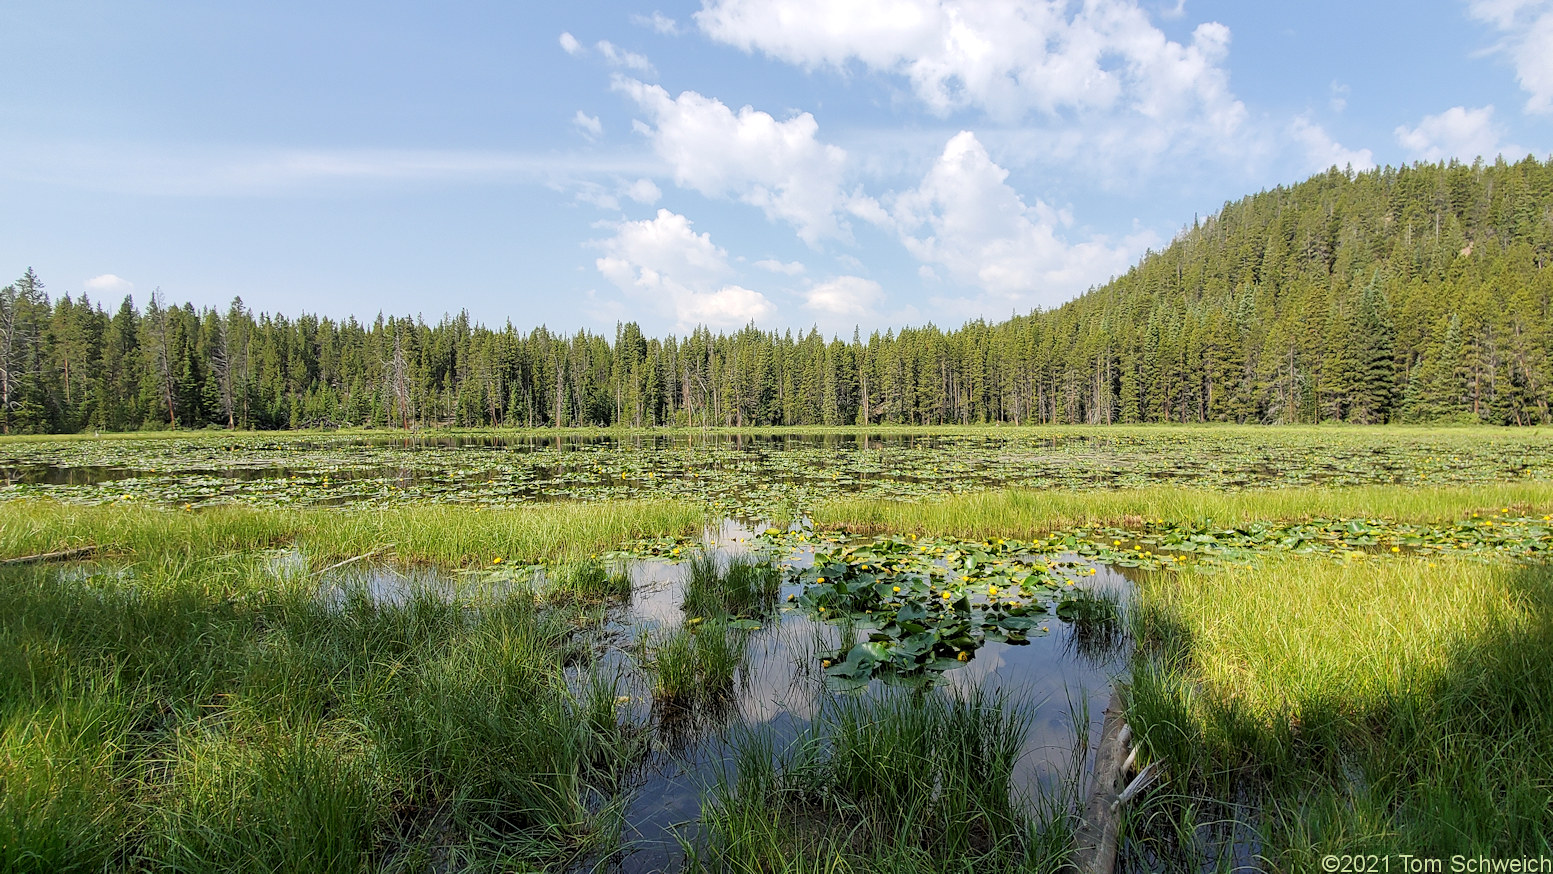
(204, 717)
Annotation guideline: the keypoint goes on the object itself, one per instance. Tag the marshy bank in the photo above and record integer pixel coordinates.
(230, 689)
(317, 666)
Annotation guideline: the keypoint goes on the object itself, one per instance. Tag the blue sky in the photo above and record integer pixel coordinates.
(872, 163)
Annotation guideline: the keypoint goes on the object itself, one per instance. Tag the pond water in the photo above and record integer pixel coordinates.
(732, 471)
(1062, 676)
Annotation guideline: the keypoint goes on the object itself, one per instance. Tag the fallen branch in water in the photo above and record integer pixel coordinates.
(50, 556)
(340, 564)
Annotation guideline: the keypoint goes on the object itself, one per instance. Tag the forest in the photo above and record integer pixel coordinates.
(1412, 294)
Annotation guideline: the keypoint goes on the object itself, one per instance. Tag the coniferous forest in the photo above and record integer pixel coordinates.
(1413, 294)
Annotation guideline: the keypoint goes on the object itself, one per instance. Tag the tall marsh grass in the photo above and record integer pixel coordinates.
(898, 782)
(699, 660)
(444, 535)
(192, 710)
(1017, 513)
(746, 586)
(1401, 707)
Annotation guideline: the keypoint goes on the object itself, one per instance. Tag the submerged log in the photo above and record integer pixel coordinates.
(1095, 841)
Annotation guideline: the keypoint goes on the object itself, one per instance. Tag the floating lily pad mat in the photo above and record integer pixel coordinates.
(741, 474)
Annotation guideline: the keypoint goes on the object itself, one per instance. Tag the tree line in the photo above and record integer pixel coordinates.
(1412, 294)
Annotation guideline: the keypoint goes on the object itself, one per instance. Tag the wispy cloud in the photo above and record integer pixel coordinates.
(659, 22)
(200, 171)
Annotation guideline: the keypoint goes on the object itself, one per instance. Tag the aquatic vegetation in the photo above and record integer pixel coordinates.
(924, 606)
(745, 588)
(587, 581)
(700, 659)
(776, 476)
(1497, 535)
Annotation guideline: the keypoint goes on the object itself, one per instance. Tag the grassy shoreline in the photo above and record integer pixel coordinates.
(444, 535)
(1023, 513)
(1382, 708)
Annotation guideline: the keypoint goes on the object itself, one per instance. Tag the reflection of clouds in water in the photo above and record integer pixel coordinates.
(657, 590)
(782, 676)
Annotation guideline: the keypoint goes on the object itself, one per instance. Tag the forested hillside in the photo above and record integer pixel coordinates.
(1416, 294)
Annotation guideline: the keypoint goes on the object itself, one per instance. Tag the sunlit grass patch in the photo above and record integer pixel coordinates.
(443, 535)
(1020, 513)
(1413, 694)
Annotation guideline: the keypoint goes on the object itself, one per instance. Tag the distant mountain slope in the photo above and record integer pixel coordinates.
(1417, 294)
(1410, 294)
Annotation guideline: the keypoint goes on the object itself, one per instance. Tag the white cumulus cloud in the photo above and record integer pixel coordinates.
(965, 218)
(1527, 26)
(845, 296)
(1457, 132)
(779, 166)
(663, 262)
(109, 282)
(1007, 59)
(1322, 151)
(569, 44)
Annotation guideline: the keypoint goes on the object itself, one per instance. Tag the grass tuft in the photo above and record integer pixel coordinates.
(899, 782)
(746, 587)
(699, 660)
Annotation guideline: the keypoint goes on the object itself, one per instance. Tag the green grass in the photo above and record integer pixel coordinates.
(899, 782)
(178, 705)
(587, 581)
(447, 536)
(699, 660)
(1398, 707)
(1016, 513)
(745, 586)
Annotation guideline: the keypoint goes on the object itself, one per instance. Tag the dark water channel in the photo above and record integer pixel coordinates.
(1063, 676)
